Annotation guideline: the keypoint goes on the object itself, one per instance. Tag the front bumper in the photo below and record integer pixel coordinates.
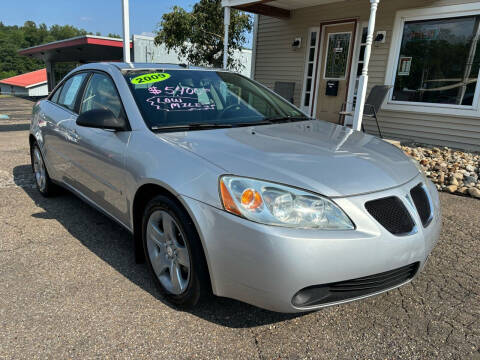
(267, 265)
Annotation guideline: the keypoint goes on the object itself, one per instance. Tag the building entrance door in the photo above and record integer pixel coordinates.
(334, 72)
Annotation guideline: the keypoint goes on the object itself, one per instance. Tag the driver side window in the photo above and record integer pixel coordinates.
(101, 93)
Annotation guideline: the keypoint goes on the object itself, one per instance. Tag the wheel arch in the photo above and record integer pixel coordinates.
(141, 198)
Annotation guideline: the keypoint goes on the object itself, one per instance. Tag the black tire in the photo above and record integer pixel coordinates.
(198, 288)
(46, 188)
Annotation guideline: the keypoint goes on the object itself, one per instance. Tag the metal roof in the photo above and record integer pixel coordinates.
(85, 48)
(27, 80)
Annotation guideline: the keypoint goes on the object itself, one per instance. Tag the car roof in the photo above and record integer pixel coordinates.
(140, 66)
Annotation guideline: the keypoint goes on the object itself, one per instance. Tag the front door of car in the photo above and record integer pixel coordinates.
(99, 155)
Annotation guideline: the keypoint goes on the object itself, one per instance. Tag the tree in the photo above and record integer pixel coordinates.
(197, 36)
(14, 38)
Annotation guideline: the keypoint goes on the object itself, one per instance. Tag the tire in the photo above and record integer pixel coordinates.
(42, 180)
(174, 253)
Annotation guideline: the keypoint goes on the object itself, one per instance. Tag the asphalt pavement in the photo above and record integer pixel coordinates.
(70, 288)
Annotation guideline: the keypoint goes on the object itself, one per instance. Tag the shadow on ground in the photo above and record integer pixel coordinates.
(14, 127)
(114, 245)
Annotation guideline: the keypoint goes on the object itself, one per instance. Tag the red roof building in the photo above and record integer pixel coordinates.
(29, 84)
(27, 80)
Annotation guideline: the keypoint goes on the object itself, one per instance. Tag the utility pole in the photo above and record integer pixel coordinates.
(126, 31)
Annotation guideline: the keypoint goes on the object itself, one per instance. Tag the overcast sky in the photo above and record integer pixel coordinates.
(104, 16)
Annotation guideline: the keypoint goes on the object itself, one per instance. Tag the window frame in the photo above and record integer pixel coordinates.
(57, 90)
(83, 89)
(422, 14)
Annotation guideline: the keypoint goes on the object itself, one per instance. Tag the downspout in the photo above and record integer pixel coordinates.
(254, 47)
(51, 81)
(363, 81)
(226, 23)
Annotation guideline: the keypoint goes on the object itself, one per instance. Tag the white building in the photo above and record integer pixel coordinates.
(144, 50)
(426, 51)
(32, 84)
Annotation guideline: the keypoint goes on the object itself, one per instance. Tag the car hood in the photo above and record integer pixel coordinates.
(314, 155)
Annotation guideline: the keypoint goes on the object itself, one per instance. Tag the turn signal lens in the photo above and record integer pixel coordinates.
(227, 200)
(251, 199)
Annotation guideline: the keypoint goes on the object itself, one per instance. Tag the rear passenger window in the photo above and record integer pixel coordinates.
(56, 95)
(70, 90)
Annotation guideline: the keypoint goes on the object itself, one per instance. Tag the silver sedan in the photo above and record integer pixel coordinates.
(229, 189)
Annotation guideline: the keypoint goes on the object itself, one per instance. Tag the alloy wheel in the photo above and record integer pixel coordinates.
(39, 169)
(168, 252)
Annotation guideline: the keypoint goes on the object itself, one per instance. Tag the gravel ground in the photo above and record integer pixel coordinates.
(69, 288)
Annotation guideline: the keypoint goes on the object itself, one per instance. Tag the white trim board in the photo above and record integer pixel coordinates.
(394, 53)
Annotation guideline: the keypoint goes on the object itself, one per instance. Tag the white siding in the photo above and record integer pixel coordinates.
(277, 61)
(39, 90)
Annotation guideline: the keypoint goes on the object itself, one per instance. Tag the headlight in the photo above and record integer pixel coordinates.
(275, 204)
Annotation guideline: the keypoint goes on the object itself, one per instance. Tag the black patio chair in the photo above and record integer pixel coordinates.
(372, 105)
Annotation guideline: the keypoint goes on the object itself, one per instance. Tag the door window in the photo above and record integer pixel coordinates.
(338, 51)
(360, 64)
(310, 70)
(101, 93)
(69, 91)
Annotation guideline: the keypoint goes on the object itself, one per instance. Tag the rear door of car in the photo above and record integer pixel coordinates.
(57, 119)
(98, 155)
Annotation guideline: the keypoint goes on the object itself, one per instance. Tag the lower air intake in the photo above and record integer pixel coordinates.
(350, 289)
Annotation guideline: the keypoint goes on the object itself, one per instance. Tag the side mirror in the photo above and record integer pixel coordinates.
(102, 119)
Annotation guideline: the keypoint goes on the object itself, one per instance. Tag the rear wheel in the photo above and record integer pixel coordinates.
(174, 253)
(42, 179)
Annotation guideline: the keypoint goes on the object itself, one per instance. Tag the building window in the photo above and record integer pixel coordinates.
(438, 62)
(360, 62)
(310, 69)
(338, 51)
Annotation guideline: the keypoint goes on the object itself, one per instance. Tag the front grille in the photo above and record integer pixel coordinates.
(420, 199)
(391, 213)
(350, 289)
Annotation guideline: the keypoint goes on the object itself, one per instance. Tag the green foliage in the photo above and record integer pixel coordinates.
(198, 35)
(14, 38)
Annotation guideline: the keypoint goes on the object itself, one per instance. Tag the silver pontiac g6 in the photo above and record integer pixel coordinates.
(229, 189)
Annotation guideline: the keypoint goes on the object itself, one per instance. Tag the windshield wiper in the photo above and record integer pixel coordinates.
(283, 119)
(193, 126)
(268, 121)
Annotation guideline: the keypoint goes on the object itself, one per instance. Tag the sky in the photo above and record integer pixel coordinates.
(104, 16)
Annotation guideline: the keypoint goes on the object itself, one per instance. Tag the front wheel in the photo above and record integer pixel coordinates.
(174, 253)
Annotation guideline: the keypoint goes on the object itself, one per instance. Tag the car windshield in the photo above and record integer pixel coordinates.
(173, 99)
